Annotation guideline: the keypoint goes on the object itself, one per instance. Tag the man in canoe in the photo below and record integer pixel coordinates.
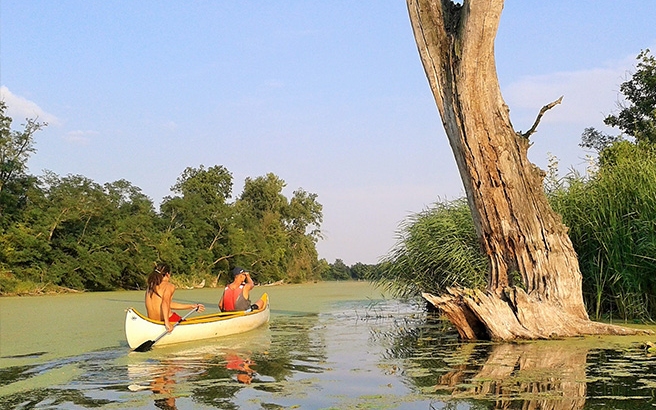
(159, 297)
(236, 294)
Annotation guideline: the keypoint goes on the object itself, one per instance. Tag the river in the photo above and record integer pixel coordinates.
(334, 345)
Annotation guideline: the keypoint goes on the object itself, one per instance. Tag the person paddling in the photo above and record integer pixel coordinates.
(236, 294)
(159, 297)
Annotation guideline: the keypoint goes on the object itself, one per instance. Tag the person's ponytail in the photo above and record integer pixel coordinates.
(156, 276)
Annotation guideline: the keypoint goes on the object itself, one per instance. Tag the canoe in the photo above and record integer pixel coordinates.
(139, 328)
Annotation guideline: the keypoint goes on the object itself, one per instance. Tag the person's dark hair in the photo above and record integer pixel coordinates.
(156, 276)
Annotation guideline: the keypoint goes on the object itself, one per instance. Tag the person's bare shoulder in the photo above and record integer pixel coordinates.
(168, 288)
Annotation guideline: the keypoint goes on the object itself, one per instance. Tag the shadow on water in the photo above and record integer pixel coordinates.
(355, 354)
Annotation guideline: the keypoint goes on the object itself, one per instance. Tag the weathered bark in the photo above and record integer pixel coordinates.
(519, 231)
(479, 315)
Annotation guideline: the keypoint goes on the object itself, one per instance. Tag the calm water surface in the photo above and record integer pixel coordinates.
(328, 346)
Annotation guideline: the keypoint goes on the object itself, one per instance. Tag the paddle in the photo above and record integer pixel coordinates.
(148, 344)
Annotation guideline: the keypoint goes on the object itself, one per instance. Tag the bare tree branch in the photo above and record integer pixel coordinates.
(544, 109)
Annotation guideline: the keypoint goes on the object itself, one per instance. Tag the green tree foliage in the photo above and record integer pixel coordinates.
(303, 219)
(75, 233)
(338, 271)
(199, 218)
(81, 235)
(361, 271)
(212, 185)
(260, 210)
(611, 215)
(263, 195)
(15, 149)
(597, 140)
(281, 234)
(637, 117)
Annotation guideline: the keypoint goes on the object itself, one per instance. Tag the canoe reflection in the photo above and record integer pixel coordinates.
(173, 372)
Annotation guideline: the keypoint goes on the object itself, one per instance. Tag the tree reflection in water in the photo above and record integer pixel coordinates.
(556, 374)
(535, 375)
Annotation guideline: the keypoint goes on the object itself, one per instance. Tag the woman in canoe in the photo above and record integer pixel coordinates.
(159, 297)
(236, 294)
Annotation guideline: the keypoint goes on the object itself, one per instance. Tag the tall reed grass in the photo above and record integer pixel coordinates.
(436, 248)
(612, 221)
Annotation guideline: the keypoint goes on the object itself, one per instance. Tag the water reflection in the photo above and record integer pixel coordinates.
(539, 376)
(210, 374)
(241, 366)
(162, 382)
(163, 385)
(354, 355)
(567, 374)
(252, 370)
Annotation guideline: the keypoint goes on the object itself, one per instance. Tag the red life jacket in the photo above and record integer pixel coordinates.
(230, 296)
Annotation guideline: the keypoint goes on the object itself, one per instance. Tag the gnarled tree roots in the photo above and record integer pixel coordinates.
(479, 315)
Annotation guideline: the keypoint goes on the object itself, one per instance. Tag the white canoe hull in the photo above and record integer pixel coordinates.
(139, 329)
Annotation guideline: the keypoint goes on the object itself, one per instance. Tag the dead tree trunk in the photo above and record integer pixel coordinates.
(520, 233)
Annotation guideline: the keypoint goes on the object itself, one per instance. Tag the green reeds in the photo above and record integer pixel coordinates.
(612, 221)
(435, 249)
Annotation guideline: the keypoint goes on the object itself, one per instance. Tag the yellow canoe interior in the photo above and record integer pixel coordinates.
(212, 317)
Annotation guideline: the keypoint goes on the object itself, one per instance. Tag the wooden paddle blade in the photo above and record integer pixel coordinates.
(145, 346)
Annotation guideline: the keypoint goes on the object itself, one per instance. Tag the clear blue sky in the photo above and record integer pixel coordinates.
(328, 95)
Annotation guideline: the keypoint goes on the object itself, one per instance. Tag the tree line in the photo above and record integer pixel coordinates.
(610, 213)
(69, 232)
